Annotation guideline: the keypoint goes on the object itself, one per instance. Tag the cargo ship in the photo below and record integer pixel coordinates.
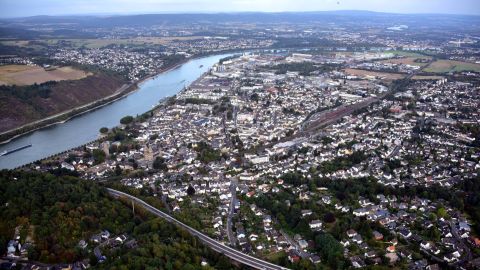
(8, 152)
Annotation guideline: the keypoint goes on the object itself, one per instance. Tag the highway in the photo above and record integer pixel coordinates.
(215, 245)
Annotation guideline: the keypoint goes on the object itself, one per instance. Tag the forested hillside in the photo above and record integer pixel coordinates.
(56, 212)
(20, 105)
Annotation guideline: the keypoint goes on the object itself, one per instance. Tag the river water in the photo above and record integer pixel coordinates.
(85, 128)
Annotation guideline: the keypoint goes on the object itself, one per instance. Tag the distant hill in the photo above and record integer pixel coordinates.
(270, 17)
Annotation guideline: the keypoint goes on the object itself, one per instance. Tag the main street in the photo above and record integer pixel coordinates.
(231, 210)
(215, 245)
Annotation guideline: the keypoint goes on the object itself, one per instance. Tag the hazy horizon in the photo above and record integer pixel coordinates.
(25, 8)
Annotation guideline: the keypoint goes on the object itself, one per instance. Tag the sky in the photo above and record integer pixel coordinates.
(22, 8)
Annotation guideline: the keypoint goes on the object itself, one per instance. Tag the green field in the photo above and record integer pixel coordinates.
(445, 66)
(409, 54)
(98, 43)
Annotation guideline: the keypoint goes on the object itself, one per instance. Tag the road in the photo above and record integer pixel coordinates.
(233, 200)
(468, 256)
(115, 95)
(293, 243)
(215, 245)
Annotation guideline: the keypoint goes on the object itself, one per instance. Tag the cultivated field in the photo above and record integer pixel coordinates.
(444, 66)
(373, 74)
(410, 54)
(98, 43)
(26, 75)
(419, 77)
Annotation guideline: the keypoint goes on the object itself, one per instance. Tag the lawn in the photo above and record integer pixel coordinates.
(409, 54)
(445, 66)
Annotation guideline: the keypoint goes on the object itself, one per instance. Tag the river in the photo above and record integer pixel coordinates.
(85, 128)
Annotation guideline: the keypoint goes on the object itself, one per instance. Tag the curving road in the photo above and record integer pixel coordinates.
(215, 245)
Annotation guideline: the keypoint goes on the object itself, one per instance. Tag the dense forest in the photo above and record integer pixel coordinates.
(58, 211)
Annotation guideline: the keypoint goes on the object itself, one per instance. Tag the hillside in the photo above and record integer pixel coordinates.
(20, 105)
(53, 213)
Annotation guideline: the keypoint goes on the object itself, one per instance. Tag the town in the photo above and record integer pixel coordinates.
(247, 150)
(313, 144)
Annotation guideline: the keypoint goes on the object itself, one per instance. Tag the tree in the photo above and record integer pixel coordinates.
(329, 217)
(330, 249)
(159, 164)
(190, 190)
(103, 130)
(126, 120)
(118, 170)
(98, 156)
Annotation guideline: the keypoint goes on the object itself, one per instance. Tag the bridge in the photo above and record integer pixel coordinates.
(231, 253)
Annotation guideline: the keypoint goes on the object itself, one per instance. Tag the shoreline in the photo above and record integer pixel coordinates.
(116, 98)
(102, 102)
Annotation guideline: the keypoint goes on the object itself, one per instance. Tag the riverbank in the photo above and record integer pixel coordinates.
(85, 128)
(122, 92)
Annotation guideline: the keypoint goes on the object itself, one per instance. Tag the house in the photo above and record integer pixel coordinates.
(405, 233)
(370, 254)
(315, 224)
(360, 212)
(392, 257)
(326, 199)
(105, 235)
(377, 235)
(433, 267)
(315, 259)
(67, 166)
(82, 244)
(303, 244)
(96, 238)
(426, 245)
(351, 233)
(406, 254)
(12, 247)
(307, 212)
(293, 257)
(391, 249)
(345, 243)
(357, 239)
(121, 238)
(474, 241)
(463, 226)
(449, 258)
(357, 262)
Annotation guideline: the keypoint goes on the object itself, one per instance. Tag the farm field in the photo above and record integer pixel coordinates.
(98, 43)
(26, 75)
(409, 54)
(381, 75)
(444, 66)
